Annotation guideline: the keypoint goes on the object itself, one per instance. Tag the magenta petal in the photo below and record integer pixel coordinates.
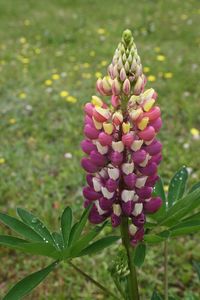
(147, 134)
(116, 158)
(91, 132)
(115, 220)
(139, 234)
(111, 185)
(156, 158)
(149, 170)
(89, 109)
(139, 220)
(139, 156)
(88, 120)
(97, 158)
(87, 146)
(105, 139)
(94, 217)
(151, 180)
(90, 194)
(154, 148)
(157, 124)
(89, 178)
(105, 204)
(153, 205)
(145, 192)
(130, 180)
(127, 207)
(88, 165)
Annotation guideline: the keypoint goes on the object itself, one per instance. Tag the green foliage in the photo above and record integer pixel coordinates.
(139, 254)
(176, 215)
(27, 284)
(54, 245)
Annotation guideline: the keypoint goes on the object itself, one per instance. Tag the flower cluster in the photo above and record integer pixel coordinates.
(121, 146)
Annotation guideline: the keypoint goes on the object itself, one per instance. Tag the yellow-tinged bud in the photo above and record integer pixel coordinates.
(96, 101)
(143, 123)
(148, 104)
(135, 113)
(108, 128)
(97, 125)
(126, 127)
(147, 95)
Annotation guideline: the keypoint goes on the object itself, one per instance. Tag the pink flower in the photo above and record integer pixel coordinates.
(122, 150)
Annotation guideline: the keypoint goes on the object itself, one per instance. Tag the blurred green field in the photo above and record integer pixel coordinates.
(51, 53)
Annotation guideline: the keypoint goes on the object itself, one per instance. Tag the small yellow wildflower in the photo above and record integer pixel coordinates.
(194, 132)
(27, 22)
(92, 53)
(86, 65)
(86, 75)
(104, 63)
(55, 76)
(48, 82)
(76, 68)
(151, 78)
(166, 188)
(168, 75)
(37, 51)
(12, 121)
(22, 95)
(71, 99)
(25, 60)
(2, 160)
(64, 94)
(157, 49)
(98, 74)
(184, 17)
(101, 31)
(22, 40)
(161, 57)
(146, 69)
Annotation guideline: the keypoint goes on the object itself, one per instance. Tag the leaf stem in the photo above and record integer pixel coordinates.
(99, 285)
(132, 283)
(166, 270)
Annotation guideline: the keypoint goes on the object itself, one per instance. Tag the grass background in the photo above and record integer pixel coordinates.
(51, 46)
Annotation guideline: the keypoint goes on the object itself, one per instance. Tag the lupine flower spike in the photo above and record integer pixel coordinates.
(121, 146)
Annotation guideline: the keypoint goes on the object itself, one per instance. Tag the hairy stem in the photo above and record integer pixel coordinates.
(99, 285)
(166, 270)
(132, 283)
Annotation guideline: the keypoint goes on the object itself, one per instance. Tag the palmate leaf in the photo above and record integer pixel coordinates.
(66, 223)
(154, 238)
(181, 208)
(36, 248)
(159, 191)
(26, 285)
(58, 239)
(79, 226)
(99, 245)
(139, 256)
(20, 228)
(35, 223)
(194, 187)
(177, 186)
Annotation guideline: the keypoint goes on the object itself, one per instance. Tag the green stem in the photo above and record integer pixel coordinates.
(132, 283)
(166, 270)
(99, 285)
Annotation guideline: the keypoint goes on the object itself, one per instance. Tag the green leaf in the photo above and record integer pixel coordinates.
(11, 241)
(66, 223)
(177, 186)
(73, 230)
(58, 240)
(182, 208)
(139, 256)
(26, 285)
(159, 192)
(35, 223)
(85, 240)
(194, 187)
(80, 225)
(43, 249)
(20, 228)
(156, 296)
(99, 245)
(197, 267)
(184, 230)
(153, 238)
